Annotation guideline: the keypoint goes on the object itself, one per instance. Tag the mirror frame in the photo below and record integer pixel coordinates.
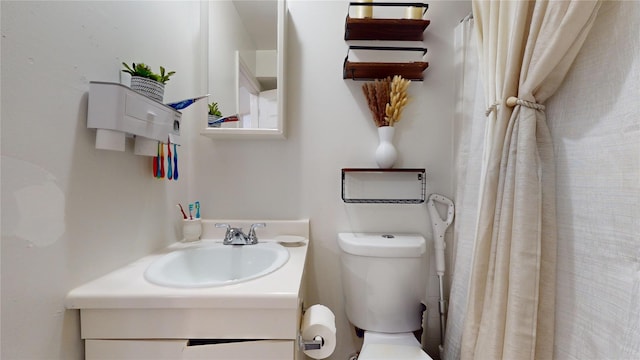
(254, 133)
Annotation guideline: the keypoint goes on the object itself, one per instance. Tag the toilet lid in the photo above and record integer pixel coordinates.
(392, 352)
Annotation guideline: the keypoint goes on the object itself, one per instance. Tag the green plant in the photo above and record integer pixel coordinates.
(163, 78)
(214, 110)
(145, 71)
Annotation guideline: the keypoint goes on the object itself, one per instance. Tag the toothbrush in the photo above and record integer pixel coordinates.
(175, 162)
(184, 216)
(190, 211)
(155, 163)
(161, 160)
(157, 167)
(169, 171)
(197, 209)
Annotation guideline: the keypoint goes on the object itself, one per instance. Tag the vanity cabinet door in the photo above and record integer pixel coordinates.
(187, 350)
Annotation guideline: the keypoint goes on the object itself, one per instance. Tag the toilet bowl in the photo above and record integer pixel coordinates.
(387, 346)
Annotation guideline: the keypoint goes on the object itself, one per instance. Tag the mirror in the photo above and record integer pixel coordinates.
(245, 65)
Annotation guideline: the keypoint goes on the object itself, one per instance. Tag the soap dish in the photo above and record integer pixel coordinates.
(290, 240)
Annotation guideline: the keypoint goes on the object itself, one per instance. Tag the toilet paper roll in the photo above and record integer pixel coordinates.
(319, 320)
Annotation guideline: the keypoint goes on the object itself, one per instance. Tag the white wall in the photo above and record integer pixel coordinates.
(329, 127)
(97, 210)
(70, 212)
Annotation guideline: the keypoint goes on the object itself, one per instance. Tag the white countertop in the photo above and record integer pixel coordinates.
(126, 288)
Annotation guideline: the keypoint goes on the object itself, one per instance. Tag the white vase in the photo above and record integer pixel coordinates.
(386, 153)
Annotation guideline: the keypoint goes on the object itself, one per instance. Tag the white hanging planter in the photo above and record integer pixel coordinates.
(211, 120)
(148, 87)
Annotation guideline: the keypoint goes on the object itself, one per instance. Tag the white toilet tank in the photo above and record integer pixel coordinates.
(383, 278)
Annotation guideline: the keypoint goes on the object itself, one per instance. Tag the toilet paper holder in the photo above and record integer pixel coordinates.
(315, 344)
(317, 336)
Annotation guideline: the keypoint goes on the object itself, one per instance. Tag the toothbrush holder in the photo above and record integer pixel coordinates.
(191, 229)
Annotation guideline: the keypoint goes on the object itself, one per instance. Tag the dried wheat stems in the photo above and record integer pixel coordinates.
(377, 95)
(386, 99)
(398, 99)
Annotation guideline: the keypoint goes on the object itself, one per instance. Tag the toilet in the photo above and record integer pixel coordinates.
(384, 279)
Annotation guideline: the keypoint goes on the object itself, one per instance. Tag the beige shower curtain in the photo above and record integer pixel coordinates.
(526, 49)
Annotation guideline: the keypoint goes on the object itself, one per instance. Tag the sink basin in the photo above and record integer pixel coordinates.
(216, 265)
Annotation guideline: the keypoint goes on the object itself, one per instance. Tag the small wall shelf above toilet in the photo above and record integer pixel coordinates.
(383, 186)
(362, 27)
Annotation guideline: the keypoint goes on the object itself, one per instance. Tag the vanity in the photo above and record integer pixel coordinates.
(125, 316)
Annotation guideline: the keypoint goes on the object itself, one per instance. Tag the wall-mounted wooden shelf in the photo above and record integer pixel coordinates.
(375, 70)
(385, 29)
(360, 70)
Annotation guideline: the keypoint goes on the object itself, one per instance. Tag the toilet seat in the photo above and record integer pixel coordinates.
(379, 346)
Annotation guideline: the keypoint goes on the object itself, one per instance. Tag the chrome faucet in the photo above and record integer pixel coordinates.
(235, 236)
(252, 237)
